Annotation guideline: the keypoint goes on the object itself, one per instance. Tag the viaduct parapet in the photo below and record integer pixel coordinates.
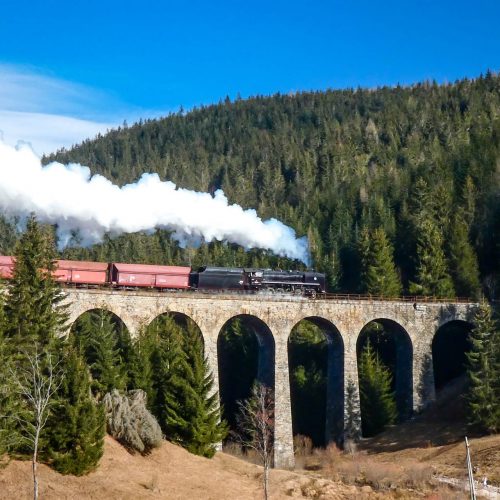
(274, 318)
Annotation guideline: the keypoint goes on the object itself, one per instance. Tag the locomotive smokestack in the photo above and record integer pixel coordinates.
(71, 197)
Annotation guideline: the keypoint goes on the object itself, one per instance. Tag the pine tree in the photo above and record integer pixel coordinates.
(378, 404)
(463, 260)
(482, 372)
(379, 275)
(33, 309)
(432, 276)
(76, 427)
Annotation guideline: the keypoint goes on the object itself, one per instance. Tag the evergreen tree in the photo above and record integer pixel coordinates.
(432, 276)
(378, 404)
(186, 407)
(140, 368)
(463, 260)
(76, 427)
(33, 309)
(5, 400)
(97, 337)
(482, 371)
(352, 412)
(167, 381)
(379, 275)
(200, 404)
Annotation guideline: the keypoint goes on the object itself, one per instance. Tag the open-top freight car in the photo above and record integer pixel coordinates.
(75, 272)
(146, 275)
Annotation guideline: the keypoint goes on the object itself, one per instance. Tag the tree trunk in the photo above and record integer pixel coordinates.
(266, 480)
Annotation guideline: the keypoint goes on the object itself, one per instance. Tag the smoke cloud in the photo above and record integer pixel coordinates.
(69, 196)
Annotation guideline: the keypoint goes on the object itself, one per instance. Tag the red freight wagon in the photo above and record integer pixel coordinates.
(6, 266)
(144, 275)
(80, 272)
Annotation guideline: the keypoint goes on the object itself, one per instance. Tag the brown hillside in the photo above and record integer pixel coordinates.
(170, 472)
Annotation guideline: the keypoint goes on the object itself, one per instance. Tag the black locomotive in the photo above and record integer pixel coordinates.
(249, 279)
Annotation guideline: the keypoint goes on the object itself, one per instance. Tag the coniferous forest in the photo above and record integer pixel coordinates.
(420, 164)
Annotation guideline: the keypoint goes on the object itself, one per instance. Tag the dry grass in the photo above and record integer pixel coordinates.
(361, 469)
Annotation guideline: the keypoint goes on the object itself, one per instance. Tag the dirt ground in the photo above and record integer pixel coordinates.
(431, 440)
(437, 438)
(169, 472)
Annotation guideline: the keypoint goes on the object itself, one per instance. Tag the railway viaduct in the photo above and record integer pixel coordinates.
(273, 318)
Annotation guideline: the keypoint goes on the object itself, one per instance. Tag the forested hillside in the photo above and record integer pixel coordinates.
(420, 164)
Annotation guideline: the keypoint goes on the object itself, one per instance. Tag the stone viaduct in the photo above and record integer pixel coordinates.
(273, 318)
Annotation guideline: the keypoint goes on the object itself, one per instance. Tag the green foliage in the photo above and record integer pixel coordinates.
(327, 163)
(308, 363)
(76, 427)
(483, 371)
(5, 399)
(105, 345)
(378, 404)
(33, 310)
(432, 276)
(182, 387)
(463, 260)
(238, 356)
(378, 272)
(352, 429)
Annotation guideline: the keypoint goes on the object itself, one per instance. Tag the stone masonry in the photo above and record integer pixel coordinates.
(343, 321)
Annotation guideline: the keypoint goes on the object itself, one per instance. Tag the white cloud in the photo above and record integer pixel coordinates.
(50, 113)
(47, 132)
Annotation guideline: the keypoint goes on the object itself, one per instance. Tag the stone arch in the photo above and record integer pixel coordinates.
(397, 354)
(450, 344)
(182, 319)
(333, 368)
(260, 356)
(76, 313)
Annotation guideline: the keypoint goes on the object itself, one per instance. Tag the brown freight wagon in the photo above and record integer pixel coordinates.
(6, 266)
(145, 275)
(81, 272)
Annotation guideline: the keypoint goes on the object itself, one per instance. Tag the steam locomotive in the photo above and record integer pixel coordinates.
(135, 276)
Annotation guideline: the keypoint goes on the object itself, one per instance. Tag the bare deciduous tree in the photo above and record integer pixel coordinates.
(36, 383)
(256, 427)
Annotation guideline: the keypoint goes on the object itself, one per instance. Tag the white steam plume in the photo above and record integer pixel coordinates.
(92, 205)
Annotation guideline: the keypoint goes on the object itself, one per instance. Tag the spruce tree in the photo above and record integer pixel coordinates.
(166, 356)
(5, 399)
(378, 404)
(184, 404)
(432, 276)
(76, 427)
(379, 274)
(482, 371)
(33, 308)
(352, 411)
(201, 410)
(463, 260)
(97, 338)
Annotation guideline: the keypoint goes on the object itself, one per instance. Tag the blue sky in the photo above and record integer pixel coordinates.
(70, 69)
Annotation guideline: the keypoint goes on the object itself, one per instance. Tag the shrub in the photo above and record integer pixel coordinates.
(130, 422)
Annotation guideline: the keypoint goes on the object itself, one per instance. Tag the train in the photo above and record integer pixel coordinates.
(178, 278)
